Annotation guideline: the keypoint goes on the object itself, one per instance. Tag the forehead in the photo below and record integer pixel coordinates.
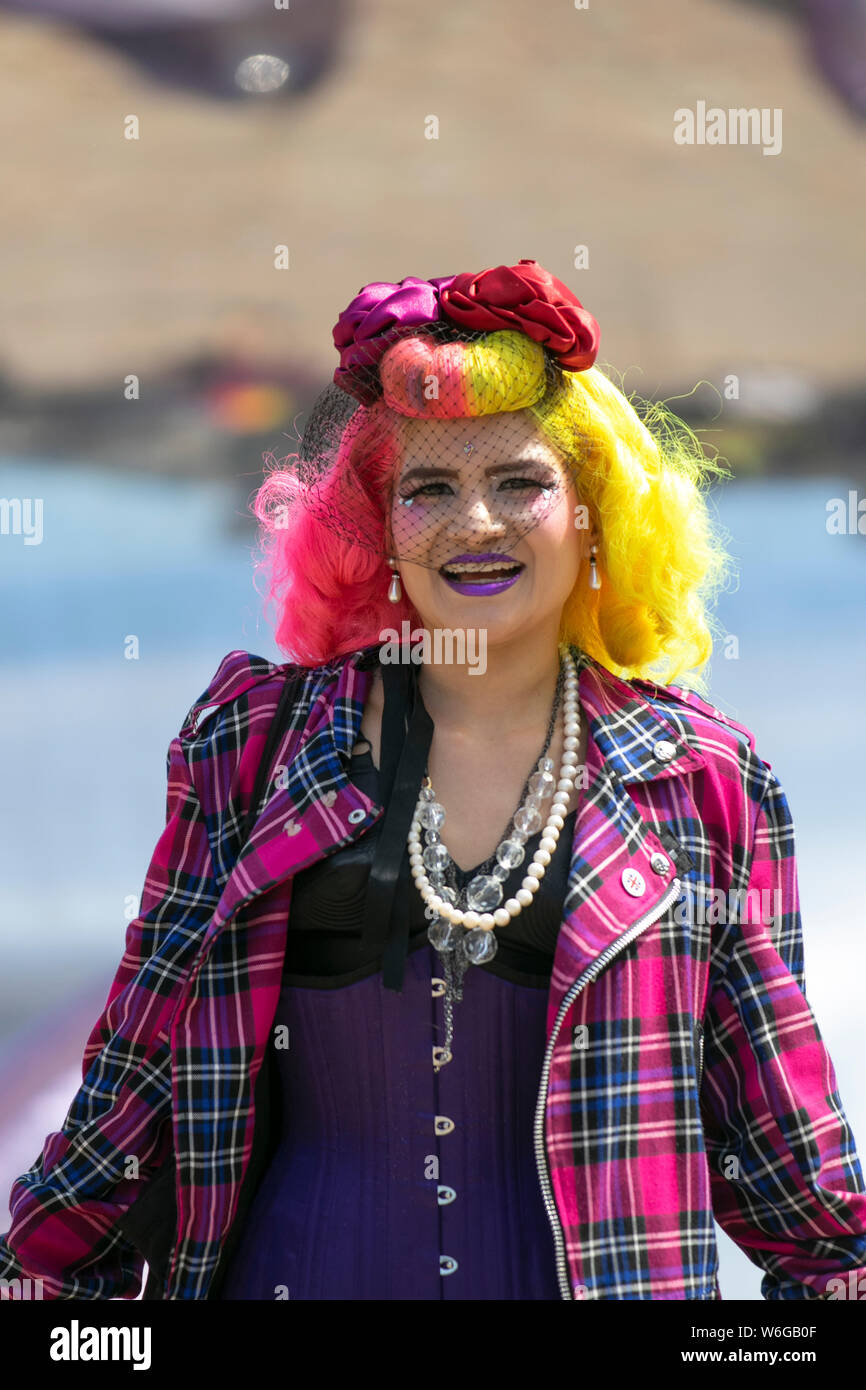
(494, 438)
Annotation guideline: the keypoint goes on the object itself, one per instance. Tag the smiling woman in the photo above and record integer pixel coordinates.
(508, 440)
(354, 843)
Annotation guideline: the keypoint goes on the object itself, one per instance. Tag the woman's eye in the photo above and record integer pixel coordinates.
(519, 482)
(526, 482)
(421, 491)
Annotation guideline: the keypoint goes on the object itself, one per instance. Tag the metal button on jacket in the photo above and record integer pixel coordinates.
(356, 815)
(659, 864)
(664, 751)
(447, 1264)
(443, 1125)
(445, 1194)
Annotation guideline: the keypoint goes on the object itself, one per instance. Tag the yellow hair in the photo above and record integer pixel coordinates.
(660, 557)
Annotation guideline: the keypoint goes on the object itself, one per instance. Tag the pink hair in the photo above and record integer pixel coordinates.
(330, 594)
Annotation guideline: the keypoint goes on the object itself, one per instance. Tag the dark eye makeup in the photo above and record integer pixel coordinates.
(539, 484)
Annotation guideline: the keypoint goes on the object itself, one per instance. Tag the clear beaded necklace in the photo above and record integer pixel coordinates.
(462, 919)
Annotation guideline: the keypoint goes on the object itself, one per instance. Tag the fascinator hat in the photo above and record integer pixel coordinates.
(487, 343)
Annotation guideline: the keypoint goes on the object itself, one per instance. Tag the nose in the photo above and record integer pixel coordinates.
(476, 518)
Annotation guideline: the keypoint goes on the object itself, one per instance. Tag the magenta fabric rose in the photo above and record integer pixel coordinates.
(377, 315)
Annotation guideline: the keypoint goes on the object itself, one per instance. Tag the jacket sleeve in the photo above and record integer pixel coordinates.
(786, 1180)
(117, 1131)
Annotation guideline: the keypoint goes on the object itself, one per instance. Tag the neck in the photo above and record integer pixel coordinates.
(513, 694)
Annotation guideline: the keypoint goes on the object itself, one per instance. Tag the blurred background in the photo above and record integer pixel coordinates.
(156, 343)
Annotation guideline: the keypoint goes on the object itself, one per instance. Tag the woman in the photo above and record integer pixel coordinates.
(335, 1062)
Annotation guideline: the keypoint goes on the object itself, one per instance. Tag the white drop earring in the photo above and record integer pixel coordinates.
(395, 591)
(594, 576)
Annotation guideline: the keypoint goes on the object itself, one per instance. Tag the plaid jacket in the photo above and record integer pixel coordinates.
(684, 1075)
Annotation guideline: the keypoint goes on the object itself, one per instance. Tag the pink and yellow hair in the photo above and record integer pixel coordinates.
(643, 482)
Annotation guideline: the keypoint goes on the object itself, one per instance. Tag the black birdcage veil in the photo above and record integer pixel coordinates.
(440, 457)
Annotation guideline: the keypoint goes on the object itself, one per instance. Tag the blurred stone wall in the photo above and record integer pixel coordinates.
(555, 130)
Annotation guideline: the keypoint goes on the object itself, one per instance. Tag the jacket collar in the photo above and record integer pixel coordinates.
(630, 741)
(626, 727)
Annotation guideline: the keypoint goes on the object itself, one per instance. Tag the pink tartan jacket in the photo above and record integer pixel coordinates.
(684, 1075)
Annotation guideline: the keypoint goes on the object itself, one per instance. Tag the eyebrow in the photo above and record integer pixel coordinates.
(489, 472)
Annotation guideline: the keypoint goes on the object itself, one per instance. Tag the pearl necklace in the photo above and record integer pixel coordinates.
(469, 933)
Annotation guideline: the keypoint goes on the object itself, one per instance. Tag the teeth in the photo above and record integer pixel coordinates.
(482, 567)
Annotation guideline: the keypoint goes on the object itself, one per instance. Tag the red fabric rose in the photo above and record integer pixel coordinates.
(528, 298)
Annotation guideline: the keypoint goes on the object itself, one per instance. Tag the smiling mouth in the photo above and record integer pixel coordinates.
(468, 573)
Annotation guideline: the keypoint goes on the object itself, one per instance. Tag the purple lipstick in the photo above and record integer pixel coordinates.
(481, 575)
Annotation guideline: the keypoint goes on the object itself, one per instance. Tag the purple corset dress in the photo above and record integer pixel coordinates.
(391, 1179)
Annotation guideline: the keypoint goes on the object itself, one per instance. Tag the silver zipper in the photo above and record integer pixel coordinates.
(701, 1057)
(586, 978)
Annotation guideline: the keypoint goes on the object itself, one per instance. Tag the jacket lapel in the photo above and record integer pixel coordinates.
(316, 809)
(620, 867)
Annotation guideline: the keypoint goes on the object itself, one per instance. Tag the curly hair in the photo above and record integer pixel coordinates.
(642, 480)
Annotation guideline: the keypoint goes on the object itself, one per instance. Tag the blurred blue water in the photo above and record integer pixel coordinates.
(84, 731)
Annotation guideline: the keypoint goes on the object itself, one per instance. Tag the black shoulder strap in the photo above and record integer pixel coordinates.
(290, 690)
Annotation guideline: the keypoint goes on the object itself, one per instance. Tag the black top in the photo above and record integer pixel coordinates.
(327, 907)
